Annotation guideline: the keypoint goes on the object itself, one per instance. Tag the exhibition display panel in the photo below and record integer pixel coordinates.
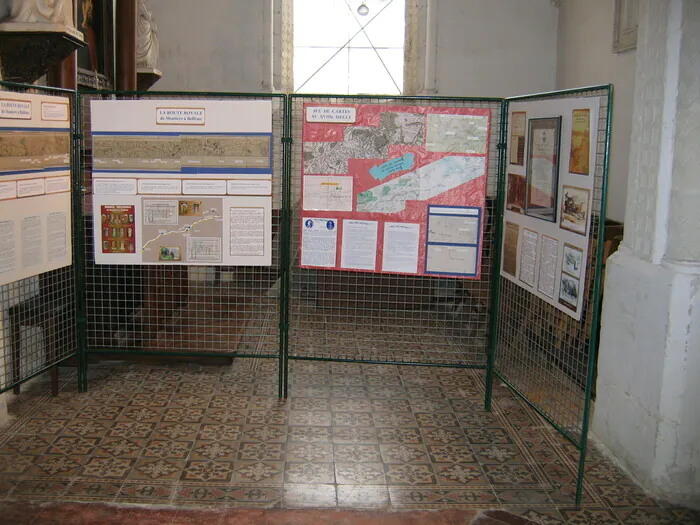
(425, 231)
(38, 284)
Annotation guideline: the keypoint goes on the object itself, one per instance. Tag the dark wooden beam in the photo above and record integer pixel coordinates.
(126, 45)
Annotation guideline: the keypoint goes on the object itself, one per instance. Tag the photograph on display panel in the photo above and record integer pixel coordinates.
(371, 168)
(544, 135)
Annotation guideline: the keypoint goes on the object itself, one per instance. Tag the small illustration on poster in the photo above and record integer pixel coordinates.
(190, 208)
(171, 253)
(574, 209)
(579, 158)
(517, 138)
(510, 248)
(517, 188)
(568, 291)
(118, 228)
(572, 261)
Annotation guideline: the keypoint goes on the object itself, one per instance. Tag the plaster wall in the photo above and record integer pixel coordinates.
(585, 58)
(495, 48)
(482, 47)
(646, 410)
(212, 45)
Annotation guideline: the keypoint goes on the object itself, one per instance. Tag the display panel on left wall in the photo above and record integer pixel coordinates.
(35, 185)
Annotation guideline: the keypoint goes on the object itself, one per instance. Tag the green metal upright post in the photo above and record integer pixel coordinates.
(496, 250)
(593, 346)
(79, 243)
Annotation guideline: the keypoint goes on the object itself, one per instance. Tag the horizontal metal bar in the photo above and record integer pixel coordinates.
(38, 372)
(17, 85)
(379, 362)
(152, 94)
(433, 98)
(103, 351)
(573, 91)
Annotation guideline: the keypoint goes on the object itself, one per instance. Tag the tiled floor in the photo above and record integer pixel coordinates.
(379, 437)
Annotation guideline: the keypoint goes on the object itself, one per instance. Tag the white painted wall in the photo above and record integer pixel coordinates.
(483, 47)
(585, 58)
(495, 48)
(213, 45)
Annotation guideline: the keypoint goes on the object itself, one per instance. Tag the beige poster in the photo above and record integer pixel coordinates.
(510, 248)
(517, 138)
(580, 141)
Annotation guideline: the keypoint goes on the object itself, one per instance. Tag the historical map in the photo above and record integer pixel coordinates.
(370, 172)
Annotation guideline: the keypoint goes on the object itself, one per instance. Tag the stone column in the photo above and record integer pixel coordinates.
(648, 407)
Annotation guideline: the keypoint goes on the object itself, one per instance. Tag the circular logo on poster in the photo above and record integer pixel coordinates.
(330, 225)
(309, 223)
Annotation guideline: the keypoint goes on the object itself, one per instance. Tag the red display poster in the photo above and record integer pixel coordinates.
(394, 189)
(117, 224)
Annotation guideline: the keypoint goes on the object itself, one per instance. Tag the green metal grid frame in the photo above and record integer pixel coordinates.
(165, 311)
(39, 313)
(505, 303)
(540, 353)
(347, 316)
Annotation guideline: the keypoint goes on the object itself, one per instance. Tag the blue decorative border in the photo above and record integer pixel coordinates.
(478, 237)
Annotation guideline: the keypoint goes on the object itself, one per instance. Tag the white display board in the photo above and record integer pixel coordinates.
(182, 182)
(547, 220)
(35, 185)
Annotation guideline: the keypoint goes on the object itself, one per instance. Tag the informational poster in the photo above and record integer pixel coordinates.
(182, 182)
(35, 185)
(404, 188)
(547, 219)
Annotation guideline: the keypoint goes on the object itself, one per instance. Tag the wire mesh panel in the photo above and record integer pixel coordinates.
(546, 355)
(183, 310)
(38, 312)
(373, 317)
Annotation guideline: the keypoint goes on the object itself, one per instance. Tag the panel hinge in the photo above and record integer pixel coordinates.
(287, 140)
(501, 145)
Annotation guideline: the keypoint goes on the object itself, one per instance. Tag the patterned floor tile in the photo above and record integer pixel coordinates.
(119, 447)
(363, 497)
(412, 474)
(473, 497)
(65, 466)
(266, 417)
(403, 453)
(266, 433)
(456, 453)
(305, 434)
(152, 493)
(359, 473)
(416, 498)
(309, 473)
(213, 450)
(157, 469)
(107, 468)
(167, 449)
(219, 436)
(624, 496)
(352, 419)
(590, 516)
(365, 435)
(410, 436)
(92, 491)
(460, 474)
(261, 451)
(207, 471)
(258, 472)
(310, 452)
